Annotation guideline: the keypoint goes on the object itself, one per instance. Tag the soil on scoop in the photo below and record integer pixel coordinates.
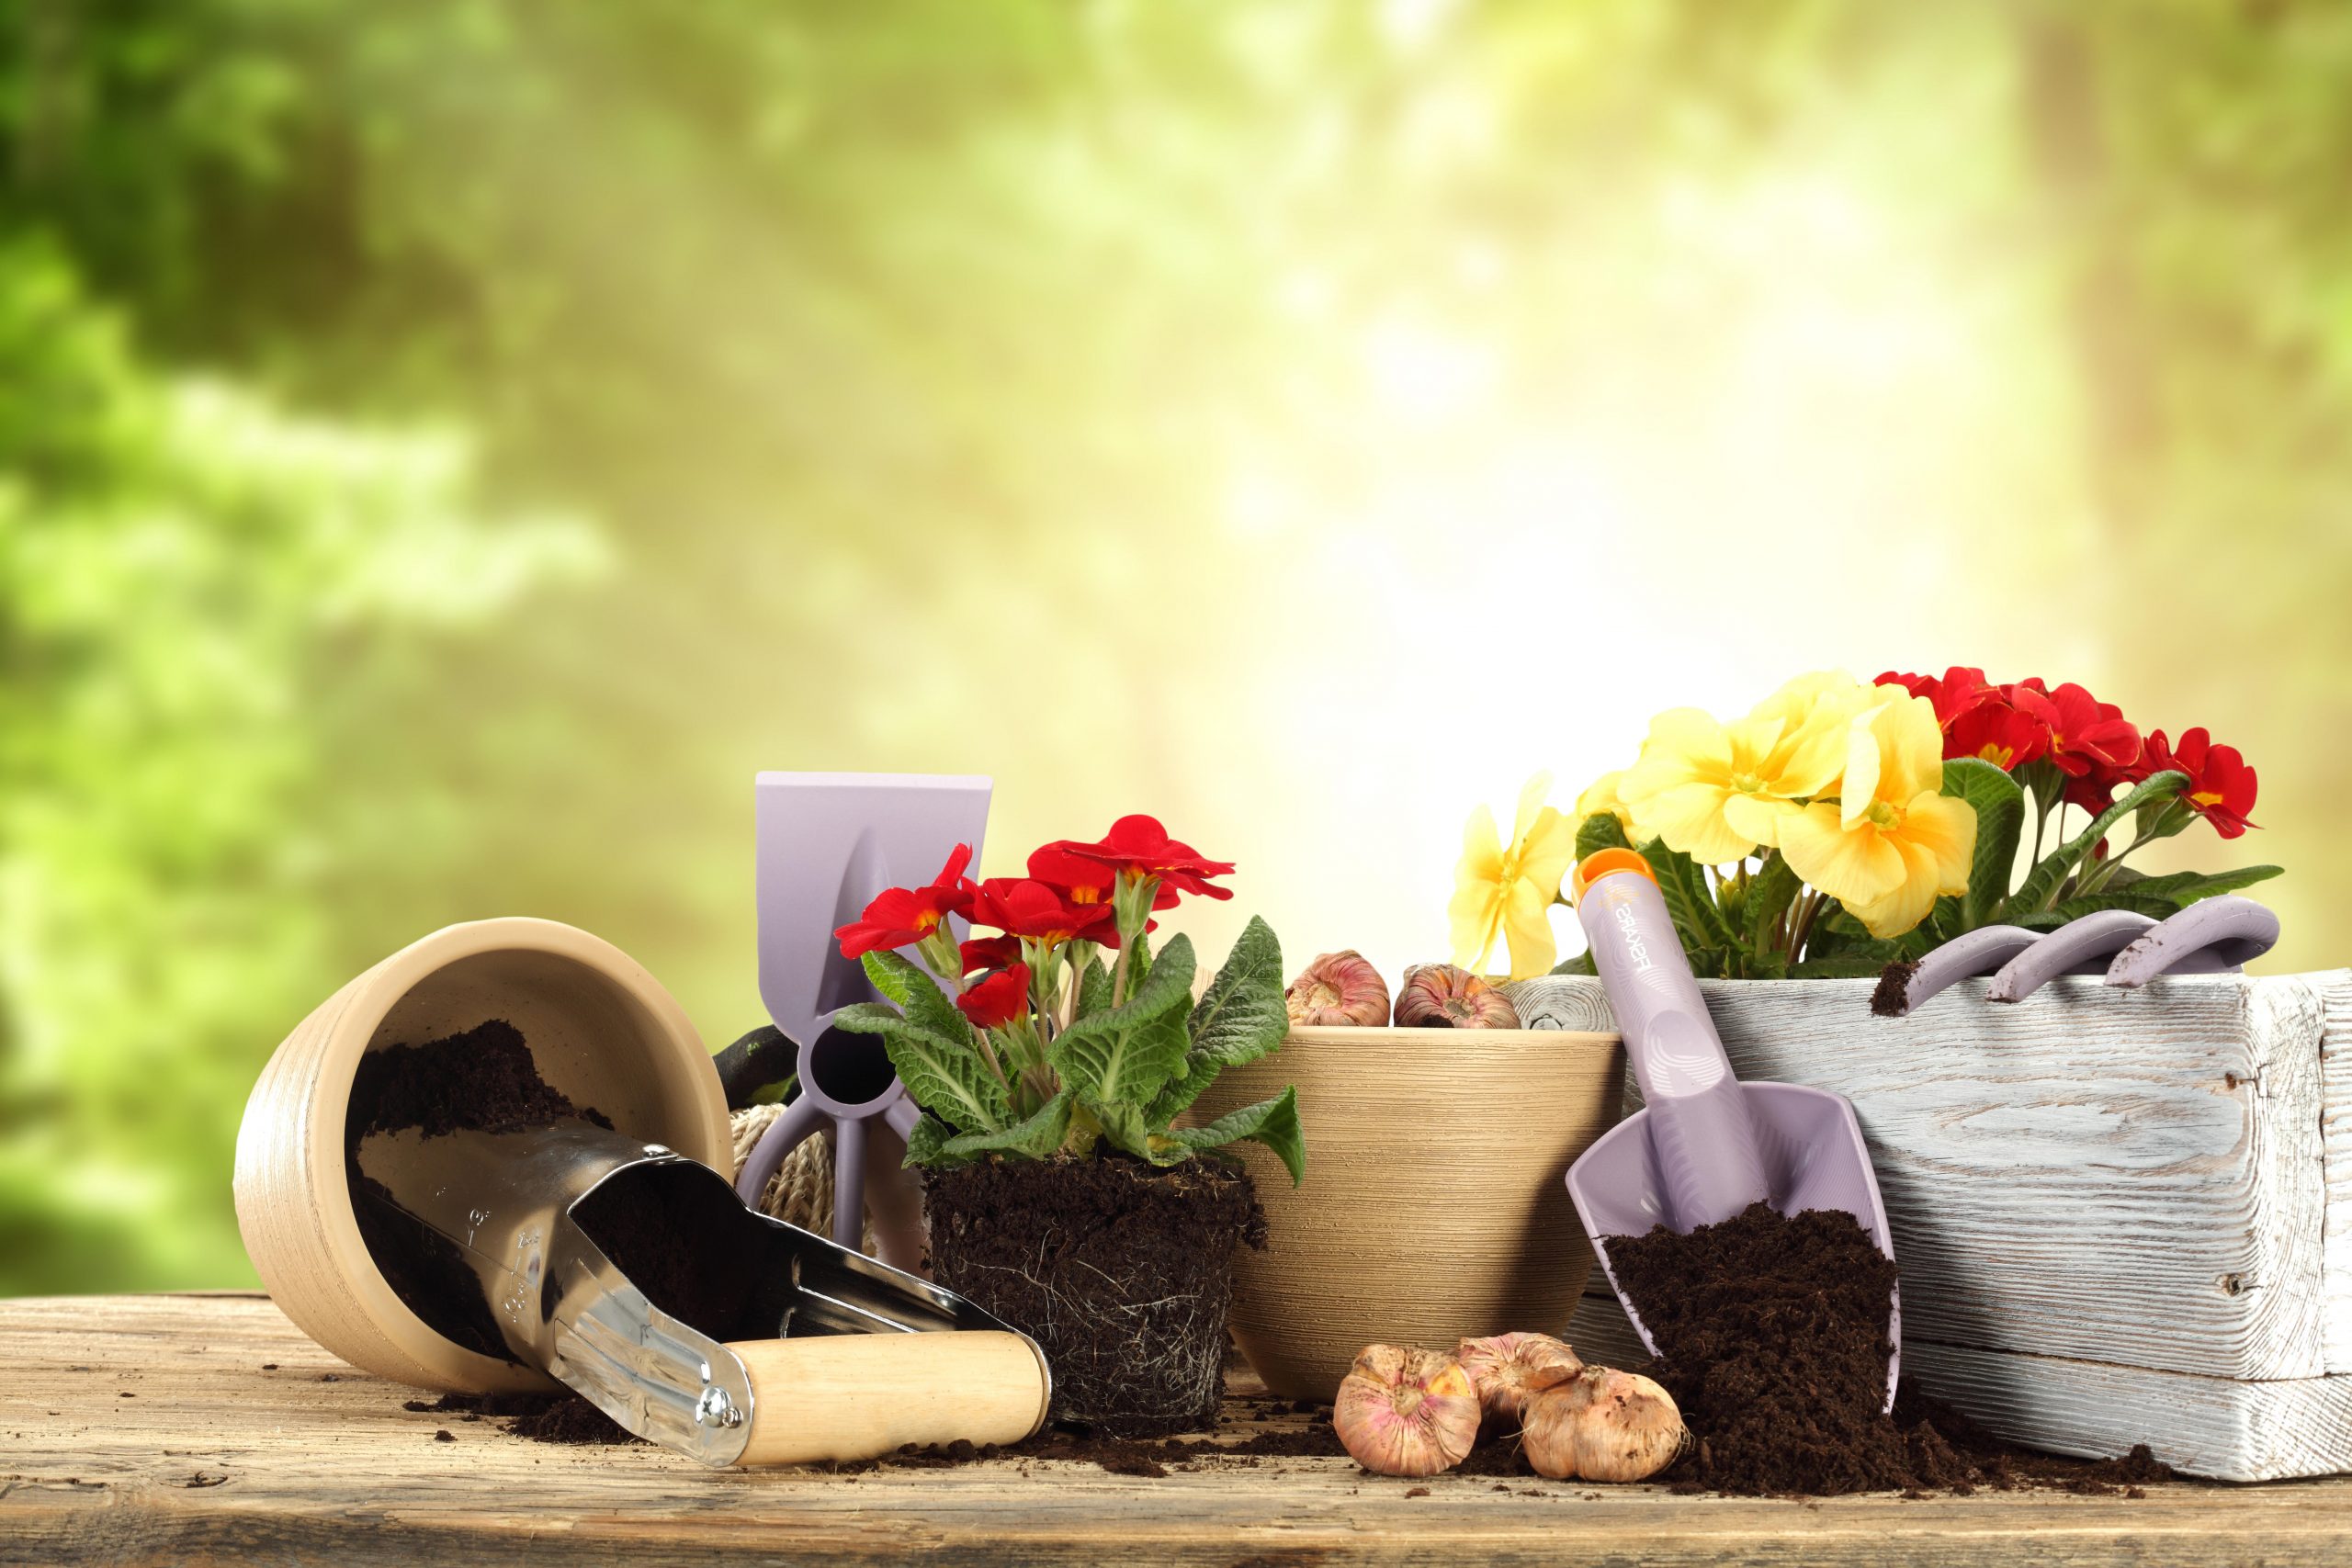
(482, 1080)
(1121, 1273)
(1773, 1337)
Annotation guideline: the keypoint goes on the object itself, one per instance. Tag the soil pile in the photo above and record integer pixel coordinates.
(1096, 1259)
(542, 1418)
(1773, 1337)
(482, 1080)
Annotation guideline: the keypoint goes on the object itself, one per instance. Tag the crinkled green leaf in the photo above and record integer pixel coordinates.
(1126, 1128)
(1688, 900)
(1580, 964)
(1273, 1122)
(2043, 883)
(2083, 904)
(1770, 891)
(1124, 1054)
(1599, 832)
(927, 1143)
(1839, 966)
(2000, 805)
(1241, 1016)
(1093, 989)
(1035, 1136)
(2181, 888)
(946, 1077)
(918, 995)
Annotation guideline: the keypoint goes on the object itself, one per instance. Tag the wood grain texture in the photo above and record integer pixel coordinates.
(851, 1396)
(1434, 1205)
(232, 1451)
(2134, 1177)
(2335, 1144)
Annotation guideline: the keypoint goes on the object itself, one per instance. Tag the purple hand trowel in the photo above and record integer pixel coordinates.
(1705, 1145)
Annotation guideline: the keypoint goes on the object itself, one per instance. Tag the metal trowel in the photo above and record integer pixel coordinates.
(1705, 1145)
(801, 1350)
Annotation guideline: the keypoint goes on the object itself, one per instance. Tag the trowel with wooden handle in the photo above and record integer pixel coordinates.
(802, 1351)
(1704, 1146)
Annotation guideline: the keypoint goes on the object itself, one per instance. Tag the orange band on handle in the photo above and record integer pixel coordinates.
(1605, 862)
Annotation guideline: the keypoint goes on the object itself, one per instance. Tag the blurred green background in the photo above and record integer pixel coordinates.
(446, 447)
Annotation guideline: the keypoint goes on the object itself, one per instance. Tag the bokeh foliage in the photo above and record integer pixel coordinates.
(446, 446)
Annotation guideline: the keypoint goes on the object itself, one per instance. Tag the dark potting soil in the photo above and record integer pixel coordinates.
(542, 1418)
(1773, 1337)
(482, 1080)
(1121, 1273)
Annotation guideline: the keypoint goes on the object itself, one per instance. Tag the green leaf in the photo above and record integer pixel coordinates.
(2182, 888)
(1123, 1055)
(1599, 832)
(918, 995)
(1035, 1136)
(2000, 805)
(2043, 883)
(1841, 966)
(1696, 918)
(1580, 964)
(2074, 908)
(1273, 1122)
(1093, 989)
(1127, 1129)
(1770, 893)
(946, 1077)
(1241, 1016)
(927, 1143)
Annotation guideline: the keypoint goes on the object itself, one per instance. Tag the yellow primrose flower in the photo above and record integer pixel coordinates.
(1512, 890)
(1719, 791)
(1600, 799)
(1892, 841)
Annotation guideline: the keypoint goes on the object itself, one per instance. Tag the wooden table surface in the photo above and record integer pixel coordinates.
(205, 1428)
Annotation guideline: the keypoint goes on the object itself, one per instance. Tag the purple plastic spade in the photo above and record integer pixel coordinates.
(828, 843)
(1704, 1145)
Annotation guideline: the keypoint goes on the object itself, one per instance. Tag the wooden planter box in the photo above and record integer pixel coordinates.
(2121, 1216)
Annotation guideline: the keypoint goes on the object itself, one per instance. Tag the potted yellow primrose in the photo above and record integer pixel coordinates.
(2103, 1147)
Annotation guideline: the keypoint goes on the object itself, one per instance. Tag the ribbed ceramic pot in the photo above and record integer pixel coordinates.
(1434, 1205)
(599, 1028)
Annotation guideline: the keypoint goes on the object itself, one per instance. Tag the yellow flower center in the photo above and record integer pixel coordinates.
(2206, 797)
(1884, 815)
(1996, 754)
(1748, 783)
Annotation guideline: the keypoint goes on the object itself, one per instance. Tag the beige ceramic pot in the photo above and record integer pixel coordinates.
(1435, 1203)
(600, 1028)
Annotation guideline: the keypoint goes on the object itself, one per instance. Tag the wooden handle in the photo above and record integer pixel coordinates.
(851, 1396)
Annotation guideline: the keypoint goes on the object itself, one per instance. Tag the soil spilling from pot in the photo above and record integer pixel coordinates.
(481, 1079)
(1121, 1273)
(1773, 1337)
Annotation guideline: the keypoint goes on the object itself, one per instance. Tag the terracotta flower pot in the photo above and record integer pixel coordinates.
(599, 1028)
(1434, 1205)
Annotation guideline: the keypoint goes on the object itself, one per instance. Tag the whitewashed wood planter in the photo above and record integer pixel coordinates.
(2121, 1216)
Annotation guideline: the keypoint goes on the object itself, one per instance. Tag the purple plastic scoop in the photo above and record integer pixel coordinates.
(1704, 1145)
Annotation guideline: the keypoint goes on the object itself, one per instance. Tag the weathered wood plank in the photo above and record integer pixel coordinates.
(2094, 1174)
(317, 1471)
(2335, 1143)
